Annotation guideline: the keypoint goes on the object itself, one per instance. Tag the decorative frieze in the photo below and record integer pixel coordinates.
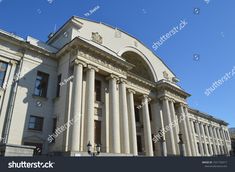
(99, 60)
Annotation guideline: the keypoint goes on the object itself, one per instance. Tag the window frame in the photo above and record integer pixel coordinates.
(42, 92)
(38, 125)
(4, 75)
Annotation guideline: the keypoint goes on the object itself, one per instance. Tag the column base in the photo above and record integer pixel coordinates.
(10, 150)
(102, 154)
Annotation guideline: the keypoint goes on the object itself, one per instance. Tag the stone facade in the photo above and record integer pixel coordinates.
(86, 84)
(232, 136)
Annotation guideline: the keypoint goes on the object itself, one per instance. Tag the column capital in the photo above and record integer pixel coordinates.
(122, 80)
(89, 66)
(77, 62)
(112, 76)
(180, 104)
(165, 98)
(143, 97)
(13, 62)
(131, 91)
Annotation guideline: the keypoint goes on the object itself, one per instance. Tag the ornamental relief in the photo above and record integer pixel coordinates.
(162, 93)
(101, 61)
(96, 37)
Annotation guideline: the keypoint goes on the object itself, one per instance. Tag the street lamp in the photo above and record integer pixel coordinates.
(89, 149)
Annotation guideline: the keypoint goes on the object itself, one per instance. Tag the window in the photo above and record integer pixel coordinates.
(35, 123)
(139, 143)
(213, 149)
(41, 84)
(198, 148)
(97, 132)
(200, 129)
(58, 85)
(204, 126)
(3, 69)
(221, 151)
(153, 142)
(208, 147)
(218, 133)
(204, 147)
(137, 114)
(195, 127)
(150, 112)
(54, 125)
(98, 90)
(217, 148)
(209, 131)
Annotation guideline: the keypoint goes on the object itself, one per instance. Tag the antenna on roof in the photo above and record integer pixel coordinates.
(55, 28)
(50, 35)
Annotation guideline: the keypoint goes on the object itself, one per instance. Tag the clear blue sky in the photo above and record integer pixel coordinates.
(210, 34)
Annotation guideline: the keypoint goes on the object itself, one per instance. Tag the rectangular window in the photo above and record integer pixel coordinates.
(218, 134)
(98, 90)
(198, 148)
(153, 142)
(195, 127)
(137, 114)
(97, 132)
(209, 131)
(213, 149)
(3, 69)
(54, 125)
(208, 147)
(41, 84)
(139, 143)
(204, 126)
(35, 123)
(217, 148)
(204, 147)
(150, 112)
(58, 85)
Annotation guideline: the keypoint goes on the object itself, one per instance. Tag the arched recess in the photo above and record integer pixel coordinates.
(143, 67)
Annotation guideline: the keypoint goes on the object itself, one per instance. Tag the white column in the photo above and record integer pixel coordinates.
(125, 142)
(214, 142)
(209, 138)
(167, 123)
(200, 139)
(225, 143)
(204, 140)
(147, 127)
(194, 138)
(132, 124)
(76, 105)
(190, 132)
(184, 130)
(158, 125)
(90, 79)
(174, 128)
(114, 116)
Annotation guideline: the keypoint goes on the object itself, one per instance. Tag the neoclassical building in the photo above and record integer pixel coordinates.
(92, 83)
